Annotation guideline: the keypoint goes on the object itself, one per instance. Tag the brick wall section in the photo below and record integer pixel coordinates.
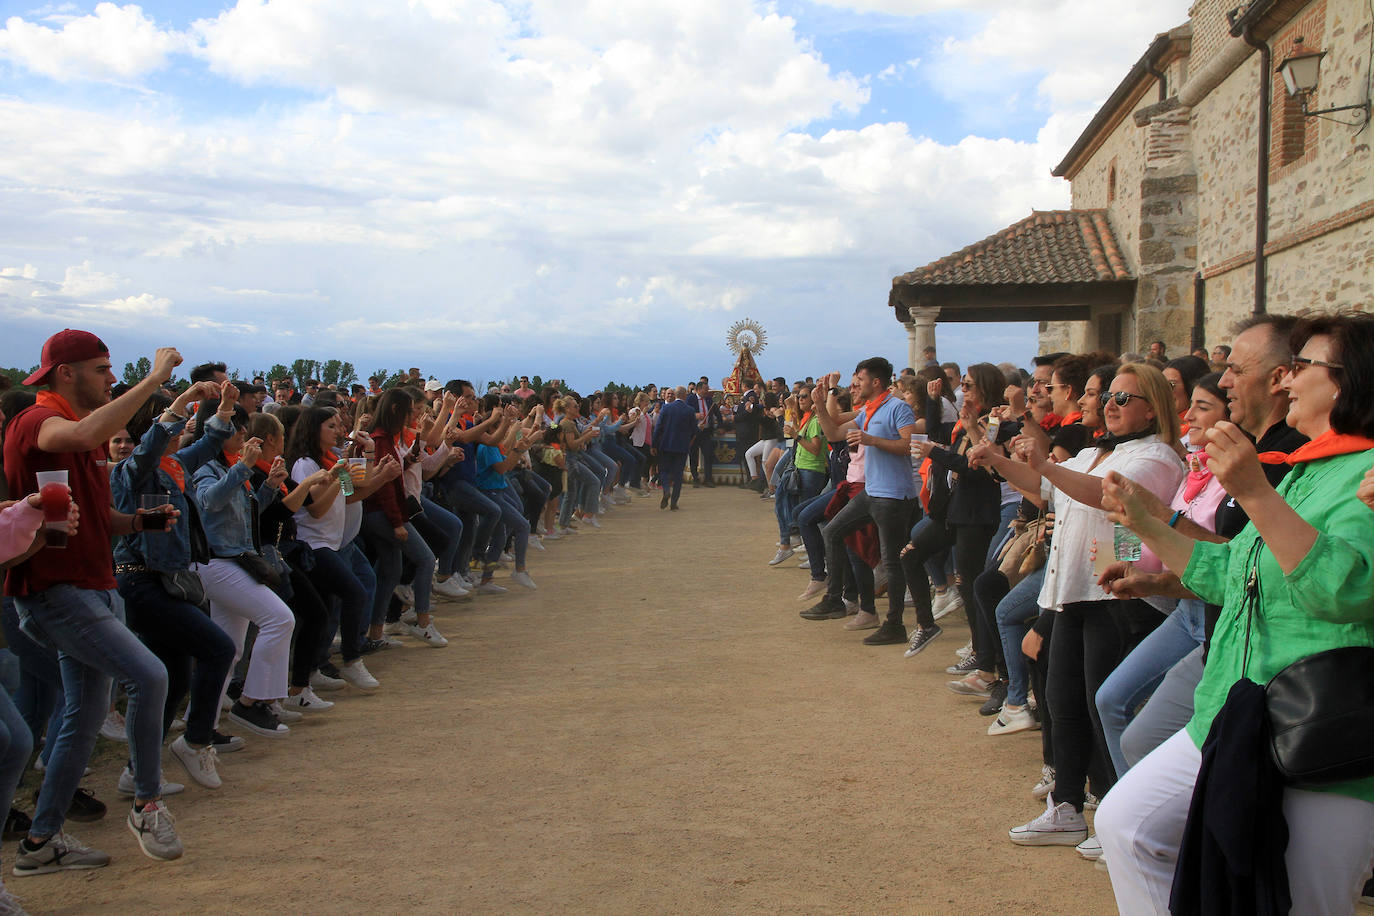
(1293, 137)
(1210, 29)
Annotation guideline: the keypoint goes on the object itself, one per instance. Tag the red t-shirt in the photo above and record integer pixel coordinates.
(86, 563)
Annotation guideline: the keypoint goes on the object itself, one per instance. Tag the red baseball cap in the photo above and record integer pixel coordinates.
(67, 346)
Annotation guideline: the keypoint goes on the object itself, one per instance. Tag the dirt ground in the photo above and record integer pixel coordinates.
(653, 730)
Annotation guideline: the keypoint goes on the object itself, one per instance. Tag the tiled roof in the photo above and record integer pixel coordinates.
(1049, 246)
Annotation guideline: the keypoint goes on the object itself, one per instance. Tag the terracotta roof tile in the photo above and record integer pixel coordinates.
(1049, 246)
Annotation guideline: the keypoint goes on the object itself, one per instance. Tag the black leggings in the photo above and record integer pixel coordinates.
(970, 545)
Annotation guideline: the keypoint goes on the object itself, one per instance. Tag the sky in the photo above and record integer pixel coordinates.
(593, 191)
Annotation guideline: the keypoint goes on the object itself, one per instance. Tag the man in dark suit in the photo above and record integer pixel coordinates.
(707, 411)
(673, 435)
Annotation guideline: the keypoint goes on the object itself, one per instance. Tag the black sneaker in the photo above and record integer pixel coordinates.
(997, 696)
(967, 665)
(663, 503)
(226, 744)
(259, 720)
(329, 669)
(85, 807)
(1367, 895)
(17, 825)
(235, 689)
(826, 609)
(921, 638)
(889, 634)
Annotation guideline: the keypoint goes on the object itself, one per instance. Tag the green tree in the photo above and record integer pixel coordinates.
(277, 373)
(303, 369)
(347, 374)
(380, 374)
(137, 371)
(17, 376)
(329, 372)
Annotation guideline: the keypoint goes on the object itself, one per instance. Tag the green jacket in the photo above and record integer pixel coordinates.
(1326, 602)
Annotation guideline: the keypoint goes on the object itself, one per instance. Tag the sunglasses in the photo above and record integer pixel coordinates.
(965, 385)
(1302, 362)
(1122, 398)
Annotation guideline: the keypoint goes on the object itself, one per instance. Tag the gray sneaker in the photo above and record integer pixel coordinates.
(60, 853)
(153, 827)
(125, 787)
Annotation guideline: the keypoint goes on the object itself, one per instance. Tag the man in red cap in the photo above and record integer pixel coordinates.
(66, 598)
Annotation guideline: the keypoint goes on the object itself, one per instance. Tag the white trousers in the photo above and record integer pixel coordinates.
(757, 454)
(1140, 825)
(237, 600)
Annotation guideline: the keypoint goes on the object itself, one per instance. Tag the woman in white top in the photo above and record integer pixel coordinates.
(1092, 633)
(321, 524)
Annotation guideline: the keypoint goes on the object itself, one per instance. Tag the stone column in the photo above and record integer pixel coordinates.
(920, 333)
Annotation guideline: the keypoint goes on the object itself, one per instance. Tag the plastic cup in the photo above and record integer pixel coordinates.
(357, 469)
(56, 497)
(150, 506)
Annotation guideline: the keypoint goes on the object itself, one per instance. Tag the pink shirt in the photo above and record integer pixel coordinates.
(1201, 510)
(18, 525)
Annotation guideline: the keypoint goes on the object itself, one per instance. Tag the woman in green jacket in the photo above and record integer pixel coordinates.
(1310, 545)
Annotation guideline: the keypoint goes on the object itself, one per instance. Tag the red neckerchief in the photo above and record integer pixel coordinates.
(805, 420)
(54, 401)
(1075, 417)
(1050, 421)
(231, 459)
(1327, 445)
(328, 460)
(266, 468)
(871, 408)
(174, 470)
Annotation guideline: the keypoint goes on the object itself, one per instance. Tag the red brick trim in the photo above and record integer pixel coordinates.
(1306, 234)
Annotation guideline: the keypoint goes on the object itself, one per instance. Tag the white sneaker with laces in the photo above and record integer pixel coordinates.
(356, 674)
(1046, 784)
(406, 594)
(450, 588)
(1090, 849)
(283, 714)
(782, 554)
(522, 578)
(552, 535)
(490, 588)
(156, 835)
(200, 763)
(409, 615)
(1060, 825)
(307, 701)
(591, 520)
(946, 603)
(536, 543)
(321, 681)
(430, 635)
(113, 727)
(1010, 721)
(395, 628)
(814, 588)
(125, 786)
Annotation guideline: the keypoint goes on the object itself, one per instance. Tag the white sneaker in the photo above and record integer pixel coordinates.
(153, 828)
(1009, 721)
(490, 588)
(321, 681)
(591, 520)
(450, 588)
(125, 786)
(812, 590)
(552, 535)
(565, 531)
(863, 621)
(409, 615)
(1060, 825)
(113, 727)
(782, 554)
(944, 604)
(965, 650)
(178, 725)
(395, 628)
(507, 557)
(406, 594)
(520, 577)
(356, 674)
(1046, 784)
(283, 714)
(1090, 849)
(536, 543)
(430, 634)
(804, 564)
(307, 701)
(200, 763)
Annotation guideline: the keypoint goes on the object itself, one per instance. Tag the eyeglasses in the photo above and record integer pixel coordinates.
(1122, 398)
(1302, 362)
(1049, 387)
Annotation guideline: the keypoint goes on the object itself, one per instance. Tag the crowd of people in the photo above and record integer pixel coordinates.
(230, 552)
(1128, 539)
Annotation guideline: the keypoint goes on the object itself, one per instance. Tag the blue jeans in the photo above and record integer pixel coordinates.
(352, 556)
(16, 745)
(338, 585)
(513, 525)
(481, 517)
(809, 518)
(377, 529)
(93, 646)
(582, 492)
(443, 531)
(786, 503)
(1141, 672)
(40, 681)
(1015, 614)
(178, 633)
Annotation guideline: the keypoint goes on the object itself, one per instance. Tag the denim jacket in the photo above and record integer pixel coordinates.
(225, 508)
(170, 550)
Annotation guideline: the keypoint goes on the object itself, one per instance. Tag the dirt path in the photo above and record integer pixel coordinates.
(654, 730)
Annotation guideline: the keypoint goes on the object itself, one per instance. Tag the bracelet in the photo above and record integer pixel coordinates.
(1173, 519)
(169, 412)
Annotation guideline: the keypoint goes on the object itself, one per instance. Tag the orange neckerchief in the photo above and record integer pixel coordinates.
(805, 420)
(174, 470)
(328, 460)
(1327, 445)
(266, 468)
(1051, 421)
(231, 459)
(871, 408)
(1075, 417)
(407, 437)
(54, 401)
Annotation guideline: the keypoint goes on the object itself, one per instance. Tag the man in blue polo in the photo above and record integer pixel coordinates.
(882, 428)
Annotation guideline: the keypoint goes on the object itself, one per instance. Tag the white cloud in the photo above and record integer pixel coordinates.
(113, 43)
(83, 280)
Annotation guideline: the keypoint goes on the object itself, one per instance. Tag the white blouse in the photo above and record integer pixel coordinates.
(1069, 573)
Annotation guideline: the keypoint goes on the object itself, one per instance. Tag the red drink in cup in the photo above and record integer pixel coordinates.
(56, 498)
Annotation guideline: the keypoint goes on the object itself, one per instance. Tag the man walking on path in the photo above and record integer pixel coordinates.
(677, 424)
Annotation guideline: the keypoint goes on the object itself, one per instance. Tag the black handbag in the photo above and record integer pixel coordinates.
(184, 585)
(1321, 717)
(1320, 708)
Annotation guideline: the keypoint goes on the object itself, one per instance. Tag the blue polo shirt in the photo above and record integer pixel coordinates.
(885, 474)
